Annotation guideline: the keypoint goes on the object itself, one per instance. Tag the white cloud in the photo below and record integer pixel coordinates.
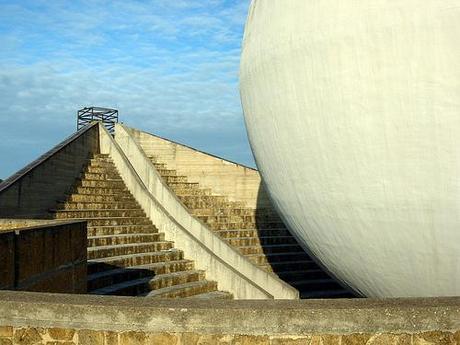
(170, 67)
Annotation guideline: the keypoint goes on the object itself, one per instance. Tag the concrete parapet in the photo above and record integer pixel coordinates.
(79, 319)
(222, 263)
(46, 256)
(33, 190)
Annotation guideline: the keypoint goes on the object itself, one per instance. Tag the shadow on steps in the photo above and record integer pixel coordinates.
(288, 259)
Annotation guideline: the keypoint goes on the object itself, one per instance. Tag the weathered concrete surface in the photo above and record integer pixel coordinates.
(140, 321)
(50, 257)
(222, 263)
(33, 190)
(8, 224)
(238, 182)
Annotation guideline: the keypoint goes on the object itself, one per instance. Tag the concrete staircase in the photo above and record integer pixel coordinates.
(260, 235)
(127, 255)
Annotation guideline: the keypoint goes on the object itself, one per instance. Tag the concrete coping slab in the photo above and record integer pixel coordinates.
(19, 224)
(276, 317)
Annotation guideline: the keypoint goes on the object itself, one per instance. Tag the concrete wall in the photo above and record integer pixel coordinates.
(46, 256)
(222, 263)
(238, 182)
(89, 320)
(33, 190)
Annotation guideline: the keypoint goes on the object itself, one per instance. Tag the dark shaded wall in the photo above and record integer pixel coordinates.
(46, 258)
(35, 189)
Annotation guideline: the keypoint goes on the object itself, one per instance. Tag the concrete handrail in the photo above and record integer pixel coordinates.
(221, 262)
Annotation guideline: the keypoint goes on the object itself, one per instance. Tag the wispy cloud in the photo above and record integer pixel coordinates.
(170, 67)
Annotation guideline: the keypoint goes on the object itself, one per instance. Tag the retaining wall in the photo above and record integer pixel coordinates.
(33, 190)
(222, 263)
(238, 182)
(46, 256)
(29, 318)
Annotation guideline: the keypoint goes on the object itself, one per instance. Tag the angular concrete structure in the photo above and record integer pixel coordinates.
(352, 110)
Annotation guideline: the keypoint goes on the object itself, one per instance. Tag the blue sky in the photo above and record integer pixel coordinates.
(170, 67)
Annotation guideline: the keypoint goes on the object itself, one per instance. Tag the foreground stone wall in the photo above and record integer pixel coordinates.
(63, 319)
(33, 190)
(238, 182)
(50, 257)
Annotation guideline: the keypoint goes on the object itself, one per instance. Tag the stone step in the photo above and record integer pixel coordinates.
(147, 284)
(101, 169)
(213, 295)
(121, 229)
(112, 240)
(97, 206)
(184, 290)
(100, 190)
(175, 179)
(271, 258)
(103, 198)
(167, 172)
(114, 184)
(223, 209)
(292, 265)
(106, 176)
(238, 233)
(159, 166)
(101, 163)
(133, 212)
(243, 225)
(248, 241)
(245, 214)
(299, 275)
(187, 186)
(202, 201)
(270, 249)
(113, 221)
(97, 265)
(114, 275)
(227, 219)
(188, 192)
(315, 284)
(100, 252)
(176, 278)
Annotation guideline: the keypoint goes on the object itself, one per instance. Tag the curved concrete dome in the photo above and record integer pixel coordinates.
(353, 114)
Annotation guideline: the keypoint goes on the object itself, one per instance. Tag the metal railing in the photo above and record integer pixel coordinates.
(107, 116)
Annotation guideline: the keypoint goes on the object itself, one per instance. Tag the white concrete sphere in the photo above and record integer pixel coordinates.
(353, 114)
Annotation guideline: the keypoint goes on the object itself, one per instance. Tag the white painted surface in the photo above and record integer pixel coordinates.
(222, 263)
(353, 113)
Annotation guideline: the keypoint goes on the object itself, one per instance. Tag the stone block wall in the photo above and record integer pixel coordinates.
(33, 190)
(45, 258)
(66, 336)
(128, 321)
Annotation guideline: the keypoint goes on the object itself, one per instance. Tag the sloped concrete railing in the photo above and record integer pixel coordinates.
(222, 263)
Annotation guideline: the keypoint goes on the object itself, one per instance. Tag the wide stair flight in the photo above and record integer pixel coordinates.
(260, 235)
(127, 255)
